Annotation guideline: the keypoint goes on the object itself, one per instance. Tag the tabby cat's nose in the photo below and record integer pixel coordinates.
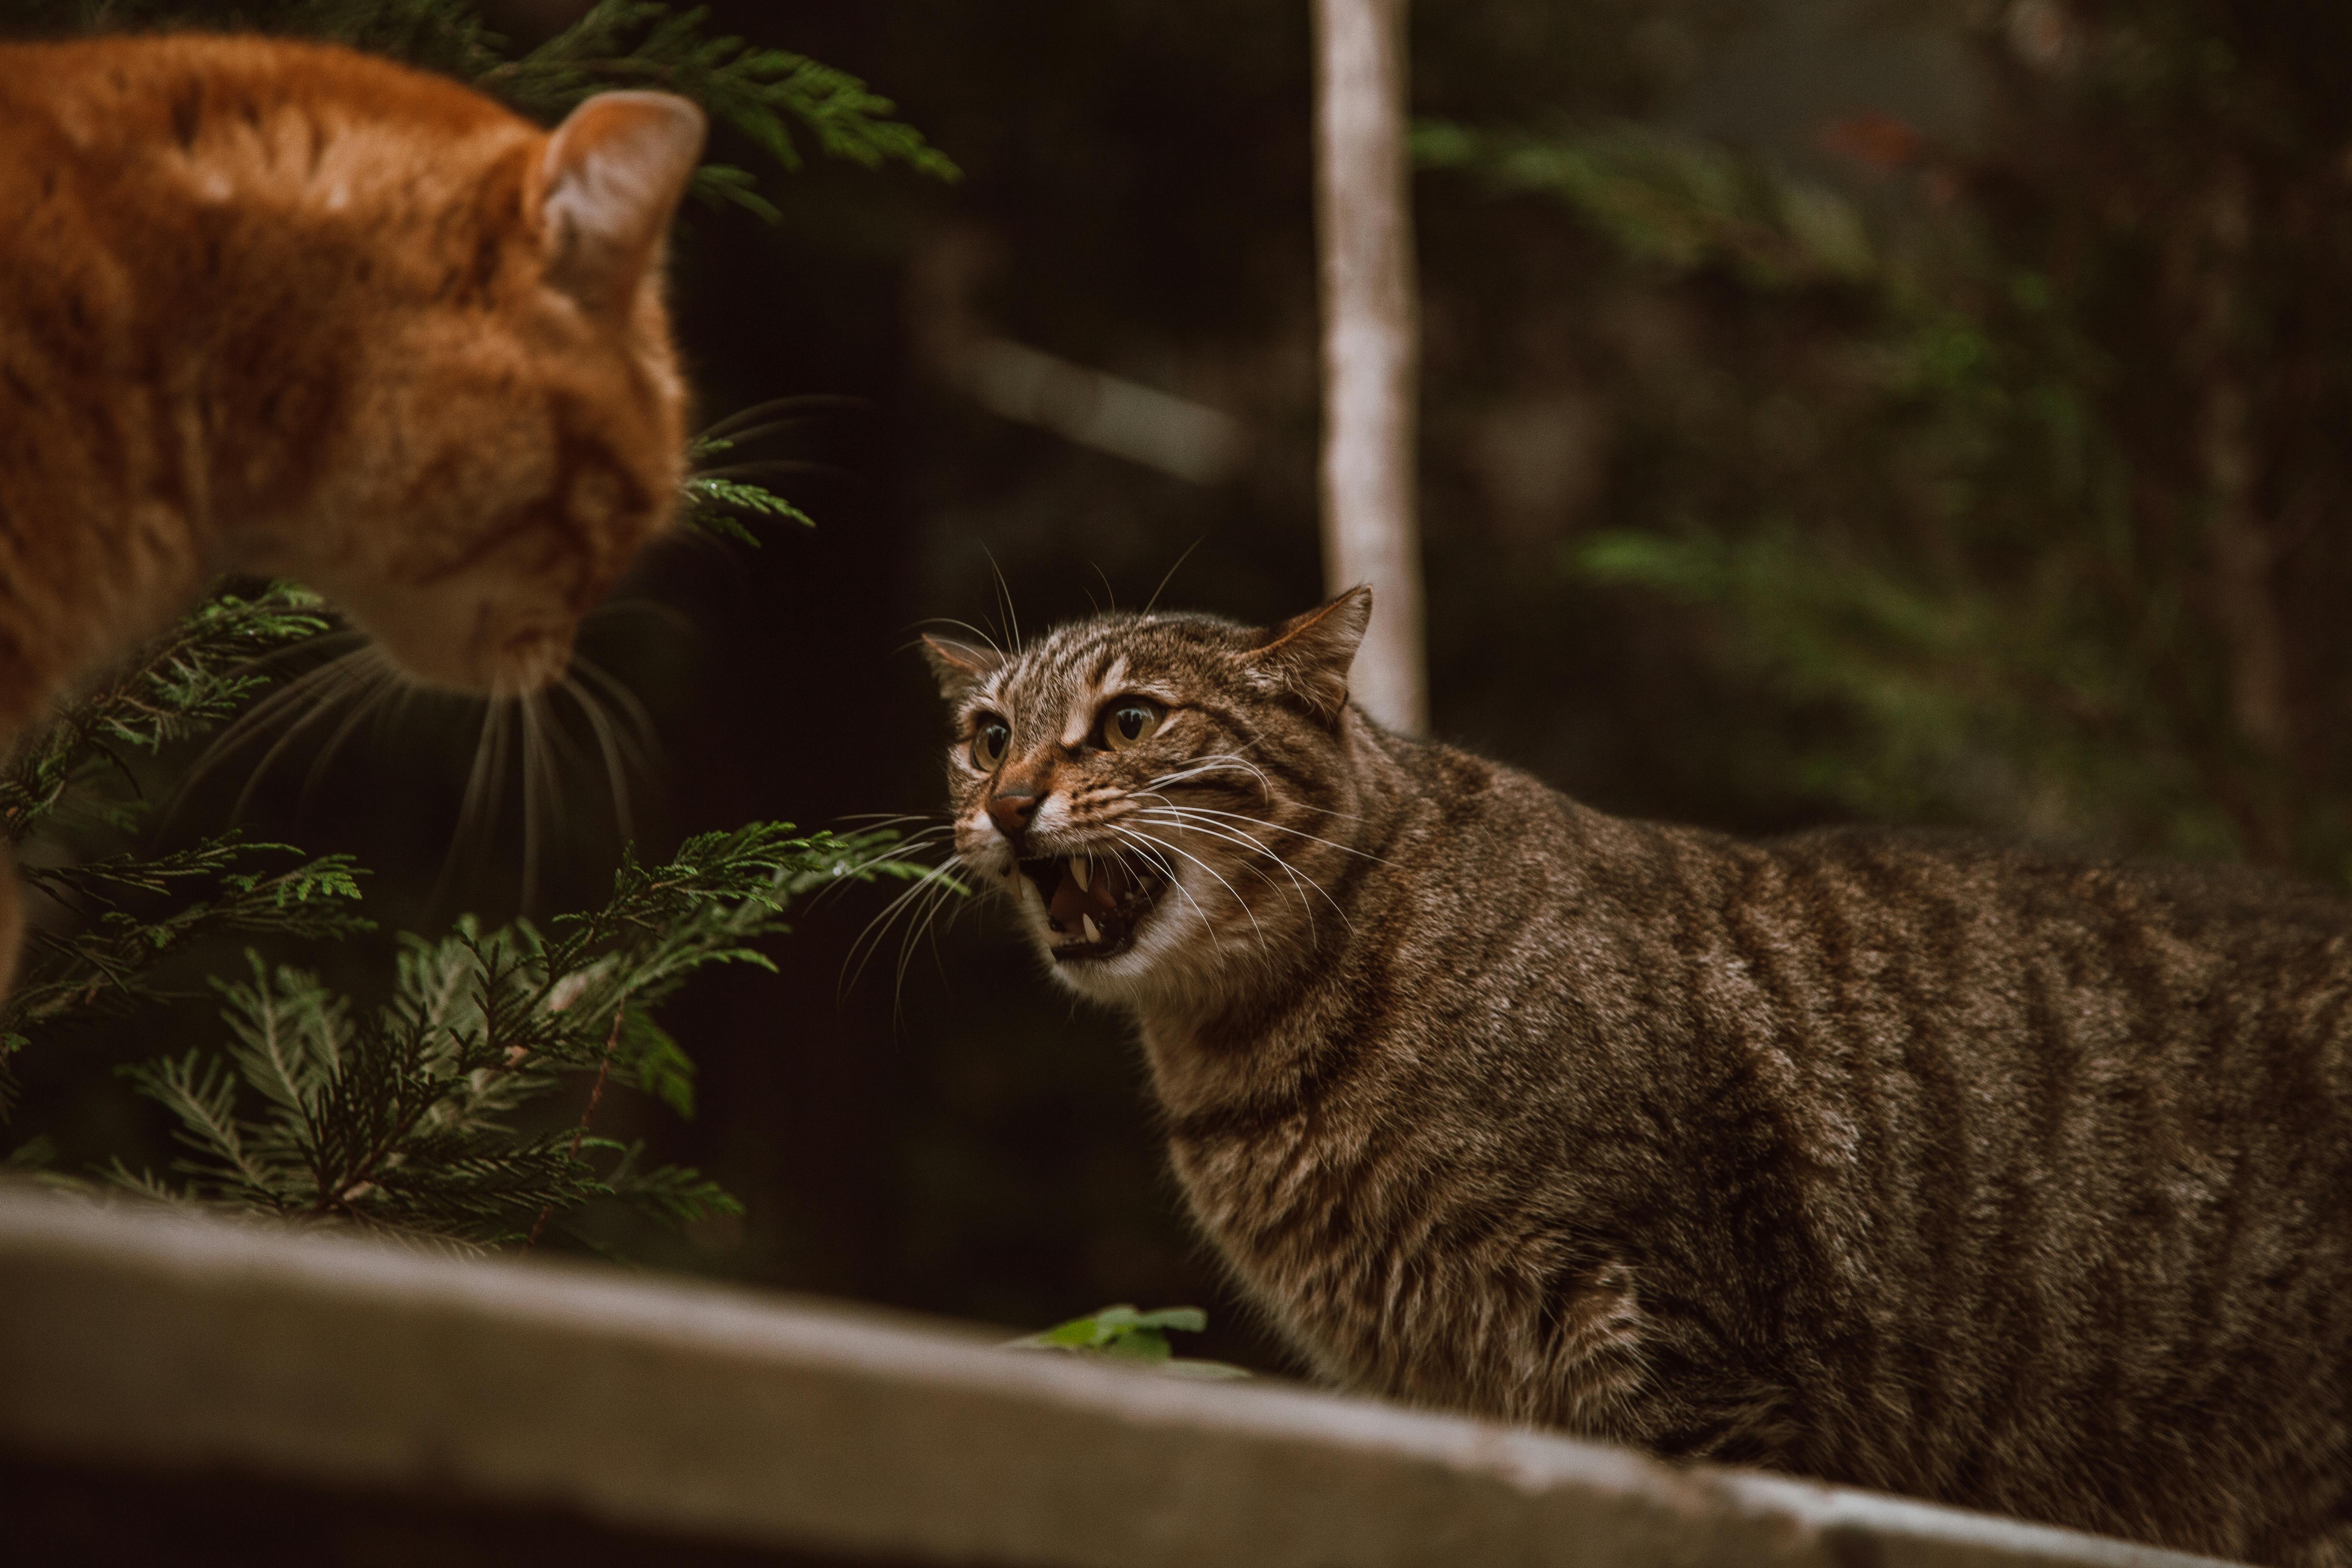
(1011, 809)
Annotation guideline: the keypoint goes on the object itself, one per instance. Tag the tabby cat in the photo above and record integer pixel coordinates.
(285, 308)
(1989, 1176)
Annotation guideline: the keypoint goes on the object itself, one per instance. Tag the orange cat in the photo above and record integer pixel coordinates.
(285, 309)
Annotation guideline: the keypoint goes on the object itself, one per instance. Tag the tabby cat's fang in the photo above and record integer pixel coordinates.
(1099, 902)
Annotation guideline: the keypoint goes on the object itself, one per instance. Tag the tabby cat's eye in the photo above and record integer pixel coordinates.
(1130, 721)
(988, 742)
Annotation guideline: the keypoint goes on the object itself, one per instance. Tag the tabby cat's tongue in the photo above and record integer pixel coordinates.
(1100, 897)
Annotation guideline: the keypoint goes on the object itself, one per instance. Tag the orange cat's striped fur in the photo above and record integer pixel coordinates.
(285, 308)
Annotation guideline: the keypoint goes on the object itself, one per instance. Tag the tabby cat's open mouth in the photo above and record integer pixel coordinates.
(1093, 903)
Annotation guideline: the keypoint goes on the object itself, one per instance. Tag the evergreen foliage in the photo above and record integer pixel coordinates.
(71, 804)
(760, 93)
(717, 499)
(400, 1120)
(405, 1117)
(2008, 472)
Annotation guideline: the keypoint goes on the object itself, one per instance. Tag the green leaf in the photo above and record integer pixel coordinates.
(1188, 1320)
(1137, 1344)
(1123, 1334)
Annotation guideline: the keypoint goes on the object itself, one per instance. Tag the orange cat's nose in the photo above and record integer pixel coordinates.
(533, 661)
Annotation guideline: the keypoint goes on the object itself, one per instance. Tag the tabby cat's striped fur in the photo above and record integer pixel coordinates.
(1979, 1175)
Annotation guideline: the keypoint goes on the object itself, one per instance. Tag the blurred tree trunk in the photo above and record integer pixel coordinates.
(1371, 345)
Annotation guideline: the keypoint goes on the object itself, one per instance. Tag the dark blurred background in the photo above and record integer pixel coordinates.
(1931, 413)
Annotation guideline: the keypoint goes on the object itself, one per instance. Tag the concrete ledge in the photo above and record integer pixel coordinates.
(175, 1342)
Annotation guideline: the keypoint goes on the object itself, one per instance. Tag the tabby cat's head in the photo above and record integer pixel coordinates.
(500, 425)
(1152, 790)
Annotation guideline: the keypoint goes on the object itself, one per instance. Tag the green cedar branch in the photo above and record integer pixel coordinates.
(759, 92)
(400, 1120)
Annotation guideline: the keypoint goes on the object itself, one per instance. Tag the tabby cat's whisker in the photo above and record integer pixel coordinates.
(898, 849)
(1165, 867)
(915, 931)
(1304, 806)
(1173, 817)
(1004, 598)
(966, 626)
(870, 940)
(1149, 848)
(876, 820)
(1299, 881)
(1170, 576)
(1203, 767)
(1212, 871)
(1261, 822)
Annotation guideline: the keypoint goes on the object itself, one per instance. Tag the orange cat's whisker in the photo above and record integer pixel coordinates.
(609, 746)
(747, 425)
(760, 466)
(539, 740)
(636, 606)
(474, 821)
(371, 690)
(318, 692)
(625, 705)
(265, 713)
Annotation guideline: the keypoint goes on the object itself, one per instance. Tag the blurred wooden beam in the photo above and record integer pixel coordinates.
(1372, 345)
(148, 1352)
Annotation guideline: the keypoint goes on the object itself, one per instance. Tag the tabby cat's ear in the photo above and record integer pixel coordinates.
(959, 666)
(611, 175)
(1309, 654)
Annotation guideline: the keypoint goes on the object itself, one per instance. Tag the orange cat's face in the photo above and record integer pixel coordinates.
(514, 423)
(409, 349)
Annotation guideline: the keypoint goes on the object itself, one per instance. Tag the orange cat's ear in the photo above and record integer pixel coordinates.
(611, 175)
(1309, 654)
(960, 666)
